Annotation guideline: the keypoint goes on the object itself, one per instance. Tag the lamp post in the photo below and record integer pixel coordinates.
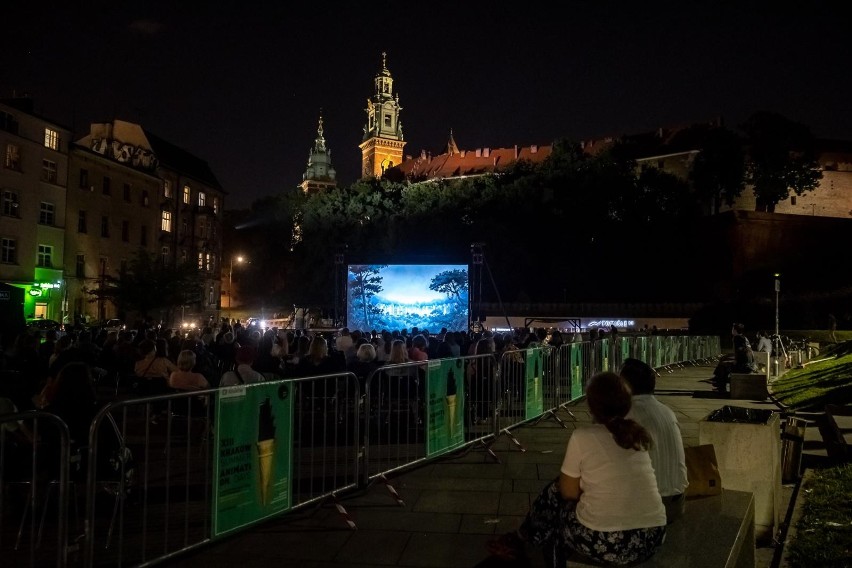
(777, 338)
(239, 259)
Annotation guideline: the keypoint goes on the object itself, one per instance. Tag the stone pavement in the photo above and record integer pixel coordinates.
(450, 508)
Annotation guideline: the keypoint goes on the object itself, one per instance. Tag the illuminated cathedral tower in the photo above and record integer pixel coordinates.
(319, 176)
(381, 147)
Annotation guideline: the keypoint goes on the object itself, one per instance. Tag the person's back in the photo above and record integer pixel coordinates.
(666, 452)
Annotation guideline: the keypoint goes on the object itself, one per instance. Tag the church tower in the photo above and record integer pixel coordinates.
(381, 147)
(319, 176)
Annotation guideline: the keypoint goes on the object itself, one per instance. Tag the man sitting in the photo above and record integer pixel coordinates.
(742, 360)
(666, 452)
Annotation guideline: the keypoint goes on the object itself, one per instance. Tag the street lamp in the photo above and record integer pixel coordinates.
(777, 337)
(239, 260)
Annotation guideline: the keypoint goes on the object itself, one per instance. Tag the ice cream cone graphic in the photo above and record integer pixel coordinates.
(451, 402)
(265, 448)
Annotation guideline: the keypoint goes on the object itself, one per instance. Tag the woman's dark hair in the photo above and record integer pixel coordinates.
(609, 399)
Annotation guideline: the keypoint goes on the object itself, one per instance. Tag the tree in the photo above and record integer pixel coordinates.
(718, 173)
(781, 158)
(454, 285)
(366, 283)
(147, 284)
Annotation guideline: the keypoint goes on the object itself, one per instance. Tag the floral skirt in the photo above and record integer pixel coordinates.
(552, 523)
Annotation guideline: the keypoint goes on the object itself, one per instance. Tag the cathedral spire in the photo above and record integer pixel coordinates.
(382, 144)
(452, 148)
(319, 175)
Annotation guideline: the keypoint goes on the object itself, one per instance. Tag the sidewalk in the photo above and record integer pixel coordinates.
(449, 509)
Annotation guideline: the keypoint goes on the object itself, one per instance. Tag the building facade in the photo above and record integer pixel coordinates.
(32, 220)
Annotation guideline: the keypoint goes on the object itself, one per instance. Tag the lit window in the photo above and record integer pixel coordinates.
(125, 231)
(80, 268)
(48, 171)
(208, 264)
(104, 226)
(167, 222)
(12, 160)
(202, 199)
(167, 189)
(201, 261)
(186, 194)
(216, 205)
(10, 203)
(8, 251)
(45, 252)
(51, 139)
(46, 214)
(81, 222)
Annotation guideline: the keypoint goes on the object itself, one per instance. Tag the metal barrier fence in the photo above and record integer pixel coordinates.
(174, 472)
(35, 466)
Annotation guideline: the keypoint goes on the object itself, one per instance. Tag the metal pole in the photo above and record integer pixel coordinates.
(230, 280)
(777, 327)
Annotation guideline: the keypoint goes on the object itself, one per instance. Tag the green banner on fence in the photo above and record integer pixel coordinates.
(253, 449)
(445, 411)
(535, 395)
(576, 371)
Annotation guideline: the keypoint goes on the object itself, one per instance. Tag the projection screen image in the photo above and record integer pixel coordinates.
(402, 296)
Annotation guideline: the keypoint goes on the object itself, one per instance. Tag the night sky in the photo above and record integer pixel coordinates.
(242, 86)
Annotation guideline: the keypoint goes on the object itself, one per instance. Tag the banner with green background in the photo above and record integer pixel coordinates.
(535, 395)
(253, 449)
(445, 406)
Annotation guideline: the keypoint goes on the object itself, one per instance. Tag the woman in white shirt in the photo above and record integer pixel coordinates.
(605, 503)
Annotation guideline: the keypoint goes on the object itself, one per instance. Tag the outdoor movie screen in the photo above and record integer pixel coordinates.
(402, 296)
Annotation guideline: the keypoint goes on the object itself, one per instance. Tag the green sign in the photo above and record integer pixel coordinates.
(254, 443)
(535, 393)
(445, 411)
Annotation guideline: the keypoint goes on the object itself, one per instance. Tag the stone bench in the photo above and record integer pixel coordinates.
(749, 386)
(714, 532)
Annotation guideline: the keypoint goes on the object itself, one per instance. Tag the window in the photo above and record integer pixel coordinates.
(144, 198)
(107, 186)
(183, 256)
(208, 266)
(167, 189)
(8, 122)
(104, 226)
(166, 224)
(8, 251)
(184, 227)
(186, 194)
(387, 120)
(84, 178)
(102, 266)
(216, 205)
(46, 214)
(12, 160)
(45, 252)
(125, 231)
(202, 228)
(164, 254)
(143, 236)
(202, 199)
(51, 139)
(201, 261)
(210, 298)
(127, 192)
(81, 222)
(80, 267)
(792, 200)
(48, 171)
(10, 203)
